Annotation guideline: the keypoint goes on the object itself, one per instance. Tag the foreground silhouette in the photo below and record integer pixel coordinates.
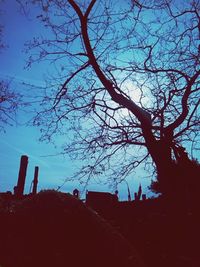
(164, 234)
(56, 229)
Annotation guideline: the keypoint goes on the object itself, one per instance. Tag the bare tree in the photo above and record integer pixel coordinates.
(10, 100)
(126, 86)
(9, 103)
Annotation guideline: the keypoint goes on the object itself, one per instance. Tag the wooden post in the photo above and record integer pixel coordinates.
(19, 189)
(35, 180)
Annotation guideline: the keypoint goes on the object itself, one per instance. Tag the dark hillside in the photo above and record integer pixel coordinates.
(56, 229)
(163, 234)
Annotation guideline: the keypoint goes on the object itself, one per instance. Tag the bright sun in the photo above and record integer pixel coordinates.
(135, 93)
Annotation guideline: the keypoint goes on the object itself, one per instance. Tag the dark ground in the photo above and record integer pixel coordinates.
(55, 229)
(163, 235)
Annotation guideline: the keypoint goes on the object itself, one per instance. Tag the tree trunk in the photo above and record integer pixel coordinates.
(161, 153)
(172, 175)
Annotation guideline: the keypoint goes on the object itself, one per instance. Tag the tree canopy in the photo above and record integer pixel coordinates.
(125, 87)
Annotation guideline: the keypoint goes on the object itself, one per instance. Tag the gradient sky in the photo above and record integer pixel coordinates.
(21, 140)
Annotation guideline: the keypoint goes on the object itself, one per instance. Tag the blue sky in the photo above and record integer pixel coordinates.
(21, 140)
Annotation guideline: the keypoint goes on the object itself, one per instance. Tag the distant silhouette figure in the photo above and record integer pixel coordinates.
(128, 189)
(76, 193)
(15, 190)
(144, 197)
(139, 193)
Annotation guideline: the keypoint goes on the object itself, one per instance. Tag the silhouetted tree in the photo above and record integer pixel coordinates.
(9, 103)
(127, 78)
